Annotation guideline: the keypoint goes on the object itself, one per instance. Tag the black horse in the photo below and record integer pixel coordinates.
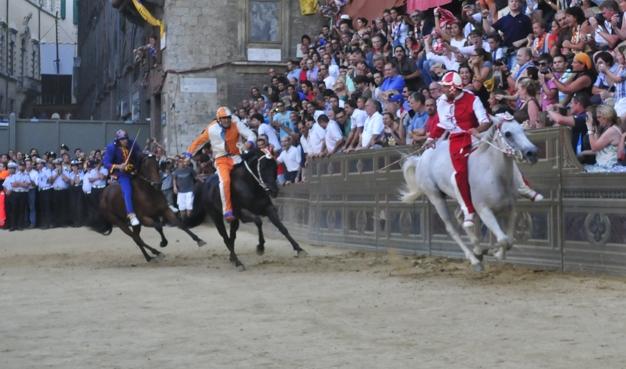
(252, 183)
(150, 206)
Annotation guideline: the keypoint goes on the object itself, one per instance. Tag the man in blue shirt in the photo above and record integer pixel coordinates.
(392, 84)
(515, 26)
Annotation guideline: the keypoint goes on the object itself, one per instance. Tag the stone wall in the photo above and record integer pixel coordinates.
(207, 39)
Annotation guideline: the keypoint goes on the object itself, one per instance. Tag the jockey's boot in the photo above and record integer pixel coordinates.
(468, 220)
(529, 193)
(228, 216)
(132, 218)
(173, 209)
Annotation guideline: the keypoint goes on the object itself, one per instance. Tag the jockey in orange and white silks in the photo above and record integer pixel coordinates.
(463, 116)
(225, 134)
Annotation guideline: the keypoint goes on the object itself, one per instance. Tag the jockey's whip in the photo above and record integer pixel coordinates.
(130, 152)
(419, 151)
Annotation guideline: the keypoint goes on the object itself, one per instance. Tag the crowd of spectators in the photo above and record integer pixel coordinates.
(370, 83)
(363, 84)
(62, 189)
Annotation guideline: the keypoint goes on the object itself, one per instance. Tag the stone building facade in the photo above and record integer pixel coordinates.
(37, 50)
(212, 52)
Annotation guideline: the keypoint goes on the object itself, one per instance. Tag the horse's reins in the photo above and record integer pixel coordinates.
(508, 150)
(258, 178)
(416, 152)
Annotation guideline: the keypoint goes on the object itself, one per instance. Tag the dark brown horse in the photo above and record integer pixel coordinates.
(150, 206)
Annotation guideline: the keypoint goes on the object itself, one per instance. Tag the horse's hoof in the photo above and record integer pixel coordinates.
(300, 252)
(478, 267)
(163, 243)
(241, 268)
(479, 256)
(158, 257)
(260, 250)
(500, 254)
(201, 243)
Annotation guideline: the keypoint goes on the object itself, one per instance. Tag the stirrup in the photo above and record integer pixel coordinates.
(468, 222)
(228, 216)
(132, 218)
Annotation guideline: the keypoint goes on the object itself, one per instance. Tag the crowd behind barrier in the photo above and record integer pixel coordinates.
(362, 84)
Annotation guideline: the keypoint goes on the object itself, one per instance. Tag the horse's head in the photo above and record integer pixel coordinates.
(512, 140)
(149, 170)
(263, 167)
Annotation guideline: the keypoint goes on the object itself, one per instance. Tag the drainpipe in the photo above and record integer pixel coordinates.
(6, 82)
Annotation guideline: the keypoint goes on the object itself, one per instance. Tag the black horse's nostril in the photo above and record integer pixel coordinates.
(531, 153)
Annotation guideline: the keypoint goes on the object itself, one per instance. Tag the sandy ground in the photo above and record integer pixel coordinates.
(75, 299)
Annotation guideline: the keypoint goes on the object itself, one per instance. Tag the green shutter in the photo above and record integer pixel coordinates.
(63, 9)
(75, 12)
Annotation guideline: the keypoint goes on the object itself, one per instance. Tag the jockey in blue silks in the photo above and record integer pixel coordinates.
(121, 158)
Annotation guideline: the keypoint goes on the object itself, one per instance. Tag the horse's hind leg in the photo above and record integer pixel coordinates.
(502, 240)
(246, 217)
(441, 208)
(272, 214)
(173, 220)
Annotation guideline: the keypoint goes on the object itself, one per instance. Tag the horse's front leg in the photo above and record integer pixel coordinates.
(173, 220)
(150, 222)
(272, 214)
(503, 242)
(221, 229)
(246, 216)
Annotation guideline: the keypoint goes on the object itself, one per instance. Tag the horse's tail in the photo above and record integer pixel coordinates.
(198, 213)
(411, 190)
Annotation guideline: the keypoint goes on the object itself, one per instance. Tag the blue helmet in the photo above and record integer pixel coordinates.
(121, 135)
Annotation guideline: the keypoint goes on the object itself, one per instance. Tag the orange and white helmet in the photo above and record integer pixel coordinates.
(223, 112)
(452, 79)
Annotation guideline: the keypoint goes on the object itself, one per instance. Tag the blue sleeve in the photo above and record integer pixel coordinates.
(398, 84)
(109, 154)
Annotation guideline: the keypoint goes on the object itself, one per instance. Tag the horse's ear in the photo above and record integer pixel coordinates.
(497, 121)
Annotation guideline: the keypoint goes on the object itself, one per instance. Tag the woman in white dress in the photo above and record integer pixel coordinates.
(604, 140)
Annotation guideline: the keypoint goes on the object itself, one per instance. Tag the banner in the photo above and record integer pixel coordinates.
(147, 16)
(308, 7)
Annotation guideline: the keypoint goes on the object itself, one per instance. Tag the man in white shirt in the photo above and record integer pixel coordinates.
(357, 121)
(334, 137)
(291, 158)
(317, 138)
(272, 137)
(373, 125)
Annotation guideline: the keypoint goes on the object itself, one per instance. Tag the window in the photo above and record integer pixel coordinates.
(35, 60)
(264, 21)
(3, 48)
(11, 66)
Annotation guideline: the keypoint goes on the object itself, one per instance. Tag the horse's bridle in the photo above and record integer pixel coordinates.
(259, 178)
(507, 150)
(151, 183)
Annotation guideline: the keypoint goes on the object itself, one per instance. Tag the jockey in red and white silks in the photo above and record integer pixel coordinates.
(462, 115)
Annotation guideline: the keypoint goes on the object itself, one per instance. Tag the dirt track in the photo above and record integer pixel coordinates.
(74, 299)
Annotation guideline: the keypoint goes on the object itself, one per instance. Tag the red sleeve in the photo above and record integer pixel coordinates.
(434, 131)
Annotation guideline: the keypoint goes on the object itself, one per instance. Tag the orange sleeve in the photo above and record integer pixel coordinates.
(199, 141)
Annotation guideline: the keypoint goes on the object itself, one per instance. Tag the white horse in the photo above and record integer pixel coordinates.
(494, 178)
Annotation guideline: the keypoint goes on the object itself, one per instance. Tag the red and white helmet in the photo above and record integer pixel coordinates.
(452, 79)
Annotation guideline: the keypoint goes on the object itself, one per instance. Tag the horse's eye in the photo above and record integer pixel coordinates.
(507, 134)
